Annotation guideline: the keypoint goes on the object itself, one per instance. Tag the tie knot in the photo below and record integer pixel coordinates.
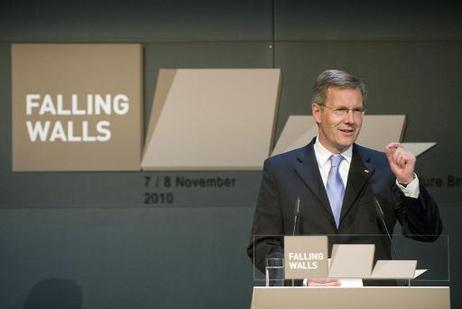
(335, 160)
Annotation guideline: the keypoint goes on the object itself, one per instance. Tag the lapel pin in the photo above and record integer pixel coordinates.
(366, 171)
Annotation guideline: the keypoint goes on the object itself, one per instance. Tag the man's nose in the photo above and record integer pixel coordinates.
(350, 116)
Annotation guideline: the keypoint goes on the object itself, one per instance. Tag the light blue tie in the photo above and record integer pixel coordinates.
(335, 188)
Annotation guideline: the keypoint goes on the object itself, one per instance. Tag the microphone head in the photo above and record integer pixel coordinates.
(297, 207)
(378, 208)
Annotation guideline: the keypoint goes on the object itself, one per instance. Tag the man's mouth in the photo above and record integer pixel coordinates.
(347, 130)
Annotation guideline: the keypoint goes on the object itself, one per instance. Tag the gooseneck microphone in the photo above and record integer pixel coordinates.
(380, 214)
(296, 222)
(296, 216)
(381, 217)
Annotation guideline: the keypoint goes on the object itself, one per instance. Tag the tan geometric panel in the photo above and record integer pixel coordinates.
(297, 132)
(370, 297)
(212, 119)
(380, 130)
(376, 132)
(76, 107)
(418, 148)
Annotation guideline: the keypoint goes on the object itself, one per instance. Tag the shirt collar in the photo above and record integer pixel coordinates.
(323, 155)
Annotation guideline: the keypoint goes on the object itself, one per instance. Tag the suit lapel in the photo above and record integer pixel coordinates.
(358, 175)
(307, 169)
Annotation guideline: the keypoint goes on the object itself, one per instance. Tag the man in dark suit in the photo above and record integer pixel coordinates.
(337, 181)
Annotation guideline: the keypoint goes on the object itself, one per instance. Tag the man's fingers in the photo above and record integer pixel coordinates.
(400, 157)
(397, 155)
(391, 148)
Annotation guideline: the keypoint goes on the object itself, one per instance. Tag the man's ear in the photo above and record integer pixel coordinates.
(316, 111)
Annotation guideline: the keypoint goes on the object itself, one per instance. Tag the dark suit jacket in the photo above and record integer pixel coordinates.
(296, 174)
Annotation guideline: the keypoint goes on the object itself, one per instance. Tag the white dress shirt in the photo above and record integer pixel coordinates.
(323, 158)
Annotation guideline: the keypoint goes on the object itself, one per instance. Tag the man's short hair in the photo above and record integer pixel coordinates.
(339, 79)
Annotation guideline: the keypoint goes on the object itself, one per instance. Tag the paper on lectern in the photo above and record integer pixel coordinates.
(351, 261)
(394, 269)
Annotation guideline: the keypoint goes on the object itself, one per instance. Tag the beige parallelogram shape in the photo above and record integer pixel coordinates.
(376, 132)
(212, 119)
(394, 269)
(351, 260)
(297, 132)
(418, 148)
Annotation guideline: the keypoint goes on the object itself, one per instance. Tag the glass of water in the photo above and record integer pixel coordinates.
(274, 272)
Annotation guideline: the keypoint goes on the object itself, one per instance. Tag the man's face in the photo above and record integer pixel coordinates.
(339, 121)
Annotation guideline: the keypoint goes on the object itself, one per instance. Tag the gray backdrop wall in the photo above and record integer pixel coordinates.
(91, 238)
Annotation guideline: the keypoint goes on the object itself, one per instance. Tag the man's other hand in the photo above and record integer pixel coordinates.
(323, 282)
(402, 162)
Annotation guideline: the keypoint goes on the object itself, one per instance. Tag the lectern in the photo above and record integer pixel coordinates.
(306, 257)
(351, 298)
